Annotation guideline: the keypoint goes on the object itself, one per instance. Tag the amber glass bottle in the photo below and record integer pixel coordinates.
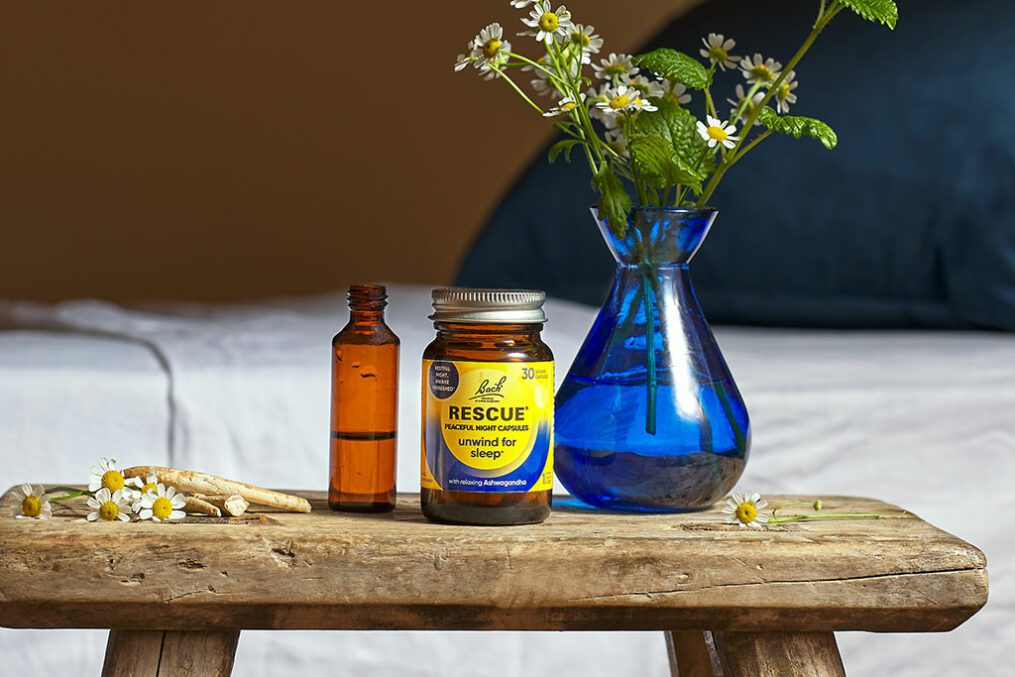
(364, 406)
(487, 454)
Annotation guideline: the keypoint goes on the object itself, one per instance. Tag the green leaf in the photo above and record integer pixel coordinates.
(882, 11)
(669, 63)
(659, 164)
(678, 127)
(614, 202)
(797, 126)
(563, 146)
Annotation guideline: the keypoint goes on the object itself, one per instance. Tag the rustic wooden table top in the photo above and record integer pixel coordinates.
(581, 569)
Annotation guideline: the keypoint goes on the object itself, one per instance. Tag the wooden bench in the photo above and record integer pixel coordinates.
(733, 601)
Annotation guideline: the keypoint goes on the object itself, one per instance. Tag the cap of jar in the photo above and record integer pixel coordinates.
(507, 306)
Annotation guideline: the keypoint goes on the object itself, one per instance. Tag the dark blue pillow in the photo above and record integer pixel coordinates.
(910, 222)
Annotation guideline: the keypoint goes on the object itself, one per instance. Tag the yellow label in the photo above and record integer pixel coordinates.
(487, 426)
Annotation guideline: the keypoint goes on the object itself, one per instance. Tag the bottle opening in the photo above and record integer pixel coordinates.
(368, 297)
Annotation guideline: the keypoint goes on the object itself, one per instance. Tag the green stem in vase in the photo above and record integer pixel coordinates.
(650, 348)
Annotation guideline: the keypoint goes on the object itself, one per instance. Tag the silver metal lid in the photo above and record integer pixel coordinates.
(508, 306)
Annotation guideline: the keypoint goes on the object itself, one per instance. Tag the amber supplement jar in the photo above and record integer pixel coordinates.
(364, 406)
(487, 442)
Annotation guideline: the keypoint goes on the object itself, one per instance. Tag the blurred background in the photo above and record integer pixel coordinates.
(234, 150)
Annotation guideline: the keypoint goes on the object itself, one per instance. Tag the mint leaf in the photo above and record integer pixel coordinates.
(659, 164)
(679, 128)
(563, 146)
(797, 126)
(669, 63)
(614, 202)
(882, 11)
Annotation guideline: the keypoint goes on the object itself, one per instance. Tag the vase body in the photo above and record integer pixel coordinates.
(648, 417)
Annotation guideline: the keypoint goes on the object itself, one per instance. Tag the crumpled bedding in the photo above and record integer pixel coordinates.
(915, 418)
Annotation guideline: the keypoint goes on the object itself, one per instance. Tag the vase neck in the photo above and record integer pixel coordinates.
(658, 236)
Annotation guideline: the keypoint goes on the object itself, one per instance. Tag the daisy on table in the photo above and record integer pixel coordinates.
(31, 502)
(137, 488)
(105, 475)
(108, 506)
(162, 505)
(743, 509)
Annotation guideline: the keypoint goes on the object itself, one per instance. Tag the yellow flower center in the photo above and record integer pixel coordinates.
(112, 480)
(151, 486)
(620, 102)
(746, 512)
(615, 69)
(491, 47)
(579, 38)
(162, 507)
(31, 506)
(566, 107)
(549, 22)
(719, 134)
(109, 511)
(762, 72)
(717, 53)
(782, 92)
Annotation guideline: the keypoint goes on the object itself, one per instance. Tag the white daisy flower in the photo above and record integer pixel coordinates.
(162, 505)
(565, 105)
(522, 4)
(717, 50)
(463, 60)
(743, 509)
(547, 23)
(676, 91)
(619, 66)
(105, 475)
(748, 106)
(651, 89)
(623, 98)
(760, 70)
(31, 502)
(784, 95)
(645, 105)
(717, 131)
(108, 506)
(490, 50)
(137, 488)
(585, 37)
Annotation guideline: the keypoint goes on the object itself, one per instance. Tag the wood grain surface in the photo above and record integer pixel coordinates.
(581, 569)
(154, 653)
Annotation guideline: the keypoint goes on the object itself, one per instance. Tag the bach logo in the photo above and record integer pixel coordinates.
(490, 392)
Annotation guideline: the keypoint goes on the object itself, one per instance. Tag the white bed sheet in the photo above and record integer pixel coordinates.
(921, 419)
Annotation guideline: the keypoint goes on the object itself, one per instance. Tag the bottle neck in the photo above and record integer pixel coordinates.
(463, 329)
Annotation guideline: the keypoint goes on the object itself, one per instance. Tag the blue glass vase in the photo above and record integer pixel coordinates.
(648, 418)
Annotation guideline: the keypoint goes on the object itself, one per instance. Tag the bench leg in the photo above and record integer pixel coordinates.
(753, 654)
(170, 653)
(692, 654)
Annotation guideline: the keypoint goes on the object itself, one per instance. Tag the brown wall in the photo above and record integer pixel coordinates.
(224, 150)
